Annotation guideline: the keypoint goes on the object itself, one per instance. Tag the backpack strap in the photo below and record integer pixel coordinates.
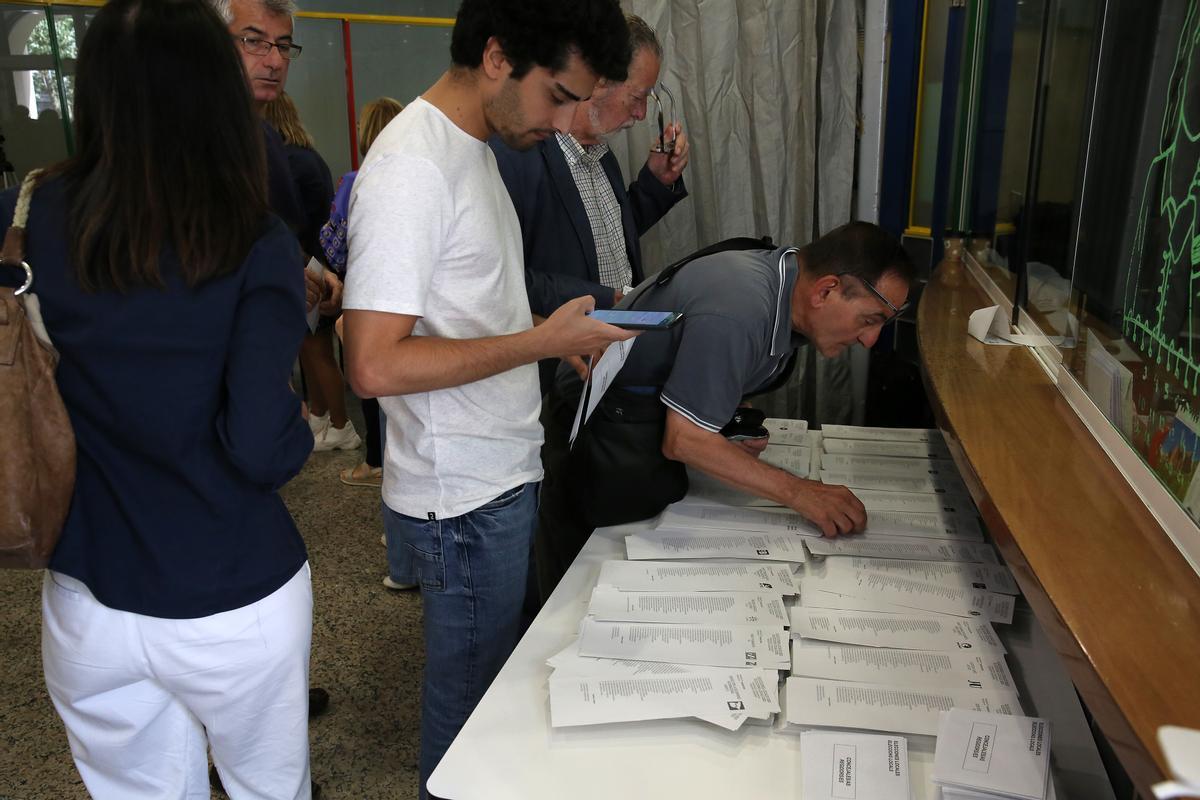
(736, 243)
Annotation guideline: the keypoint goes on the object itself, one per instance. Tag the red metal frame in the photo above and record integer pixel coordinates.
(350, 114)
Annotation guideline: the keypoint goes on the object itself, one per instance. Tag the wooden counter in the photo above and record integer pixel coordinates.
(1115, 596)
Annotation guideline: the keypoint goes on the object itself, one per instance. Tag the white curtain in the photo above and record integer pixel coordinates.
(767, 91)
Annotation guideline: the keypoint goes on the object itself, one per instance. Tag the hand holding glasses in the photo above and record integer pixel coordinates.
(664, 145)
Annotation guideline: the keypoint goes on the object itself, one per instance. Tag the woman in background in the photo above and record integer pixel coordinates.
(323, 381)
(177, 609)
(374, 118)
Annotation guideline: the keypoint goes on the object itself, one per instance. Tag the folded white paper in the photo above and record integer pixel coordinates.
(1181, 748)
(704, 645)
(989, 577)
(1002, 754)
(906, 632)
(897, 547)
(668, 576)
(889, 465)
(940, 525)
(908, 592)
(836, 704)
(865, 479)
(839, 765)
(689, 516)
(569, 662)
(991, 326)
(875, 500)
(913, 668)
(654, 545)
(718, 608)
(863, 447)
(602, 374)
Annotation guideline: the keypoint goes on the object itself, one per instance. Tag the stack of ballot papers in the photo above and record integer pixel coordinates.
(664, 640)
(984, 756)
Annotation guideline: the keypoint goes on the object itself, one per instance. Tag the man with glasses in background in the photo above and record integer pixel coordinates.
(579, 224)
(744, 314)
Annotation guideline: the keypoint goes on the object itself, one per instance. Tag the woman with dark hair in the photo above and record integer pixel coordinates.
(177, 609)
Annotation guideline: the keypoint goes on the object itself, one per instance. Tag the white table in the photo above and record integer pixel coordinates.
(508, 749)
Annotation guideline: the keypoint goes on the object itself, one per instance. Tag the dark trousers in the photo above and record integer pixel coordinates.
(561, 531)
(374, 432)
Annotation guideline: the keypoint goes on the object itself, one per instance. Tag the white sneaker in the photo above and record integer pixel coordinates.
(338, 438)
(318, 425)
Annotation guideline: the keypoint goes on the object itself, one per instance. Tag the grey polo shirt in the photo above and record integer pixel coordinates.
(734, 339)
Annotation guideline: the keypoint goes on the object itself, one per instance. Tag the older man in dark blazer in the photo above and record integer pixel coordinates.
(579, 223)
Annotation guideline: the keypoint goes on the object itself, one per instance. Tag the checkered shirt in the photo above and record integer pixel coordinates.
(603, 211)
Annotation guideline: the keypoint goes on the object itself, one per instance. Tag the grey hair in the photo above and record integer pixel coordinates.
(640, 35)
(224, 8)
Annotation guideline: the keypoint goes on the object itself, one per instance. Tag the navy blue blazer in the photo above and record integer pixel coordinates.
(560, 253)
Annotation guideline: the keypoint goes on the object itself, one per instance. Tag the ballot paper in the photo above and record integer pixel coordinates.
(787, 431)
(905, 632)
(899, 547)
(717, 608)
(838, 765)
(704, 645)
(653, 576)
(816, 703)
(890, 465)
(989, 577)
(991, 326)
(912, 668)
(654, 545)
(881, 434)
(796, 460)
(913, 502)
(999, 608)
(1005, 755)
(601, 377)
(865, 447)
(908, 592)
(687, 516)
(865, 479)
(724, 697)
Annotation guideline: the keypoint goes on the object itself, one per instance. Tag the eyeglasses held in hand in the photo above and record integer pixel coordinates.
(896, 312)
(255, 46)
(664, 146)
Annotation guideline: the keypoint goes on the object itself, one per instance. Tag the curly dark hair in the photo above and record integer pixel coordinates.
(544, 33)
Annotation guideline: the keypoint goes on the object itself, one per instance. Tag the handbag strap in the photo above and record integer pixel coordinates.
(13, 250)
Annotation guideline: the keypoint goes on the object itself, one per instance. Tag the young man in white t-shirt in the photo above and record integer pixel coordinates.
(438, 327)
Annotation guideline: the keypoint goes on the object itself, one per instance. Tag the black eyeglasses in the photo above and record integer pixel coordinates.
(255, 46)
(896, 312)
(663, 145)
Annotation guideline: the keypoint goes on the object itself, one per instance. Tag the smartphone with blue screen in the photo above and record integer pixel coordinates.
(637, 320)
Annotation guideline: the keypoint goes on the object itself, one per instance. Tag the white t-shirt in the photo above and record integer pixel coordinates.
(433, 233)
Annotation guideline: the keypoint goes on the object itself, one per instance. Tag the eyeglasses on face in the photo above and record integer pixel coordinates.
(896, 312)
(255, 46)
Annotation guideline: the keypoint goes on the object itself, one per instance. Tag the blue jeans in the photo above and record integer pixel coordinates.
(472, 570)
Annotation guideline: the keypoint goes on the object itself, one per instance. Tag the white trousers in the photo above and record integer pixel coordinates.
(142, 697)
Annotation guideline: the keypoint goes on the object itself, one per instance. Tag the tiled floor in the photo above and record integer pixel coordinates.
(367, 652)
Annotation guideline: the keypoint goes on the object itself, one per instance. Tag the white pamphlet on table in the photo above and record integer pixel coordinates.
(898, 547)
(838, 765)
(765, 647)
(999, 608)
(717, 608)
(882, 434)
(569, 662)
(724, 697)
(882, 481)
(875, 500)
(792, 432)
(889, 465)
(816, 703)
(941, 525)
(656, 545)
(913, 668)
(601, 377)
(1002, 754)
(906, 632)
(668, 576)
(990, 577)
